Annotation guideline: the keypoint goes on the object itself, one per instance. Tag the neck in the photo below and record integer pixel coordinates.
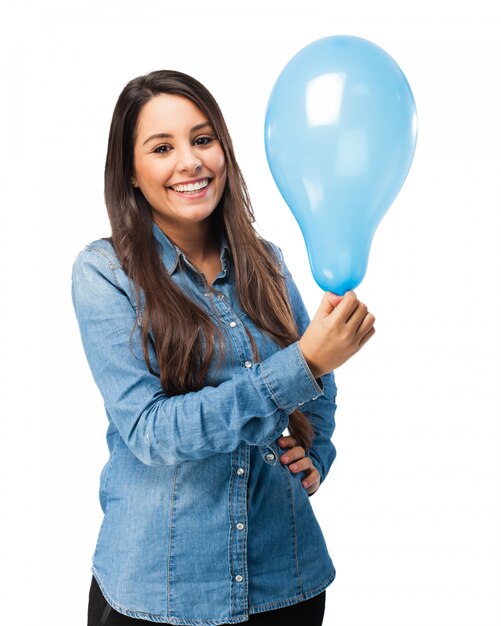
(198, 243)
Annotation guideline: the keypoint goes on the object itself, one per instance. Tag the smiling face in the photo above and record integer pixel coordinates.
(179, 164)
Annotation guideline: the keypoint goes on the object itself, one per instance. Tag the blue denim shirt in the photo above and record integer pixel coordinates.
(202, 523)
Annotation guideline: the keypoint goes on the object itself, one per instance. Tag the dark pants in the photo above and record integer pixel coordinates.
(307, 613)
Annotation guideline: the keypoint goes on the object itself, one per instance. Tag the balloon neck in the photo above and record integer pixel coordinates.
(338, 266)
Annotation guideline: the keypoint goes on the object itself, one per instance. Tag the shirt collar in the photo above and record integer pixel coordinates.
(171, 253)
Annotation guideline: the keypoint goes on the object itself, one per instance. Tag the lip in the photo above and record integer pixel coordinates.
(188, 182)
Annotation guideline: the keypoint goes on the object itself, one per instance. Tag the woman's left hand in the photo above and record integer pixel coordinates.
(296, 456)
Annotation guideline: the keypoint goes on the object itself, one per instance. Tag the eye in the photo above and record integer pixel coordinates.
(162, 149)
(206, 140)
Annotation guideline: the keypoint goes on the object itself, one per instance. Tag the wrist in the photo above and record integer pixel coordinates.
(312, 367)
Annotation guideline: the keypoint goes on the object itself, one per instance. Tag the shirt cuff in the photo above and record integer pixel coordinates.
(289, 379)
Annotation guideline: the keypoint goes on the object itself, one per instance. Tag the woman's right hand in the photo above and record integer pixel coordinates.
(341, 326)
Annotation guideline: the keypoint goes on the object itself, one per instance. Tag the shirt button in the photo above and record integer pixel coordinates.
(239, 578)
(233, 324)
(240, 471)
(248, 364)
(220, 296)
(240, 526)
(270, 457)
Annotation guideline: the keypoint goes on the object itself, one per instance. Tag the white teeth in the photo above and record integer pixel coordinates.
(201, 184)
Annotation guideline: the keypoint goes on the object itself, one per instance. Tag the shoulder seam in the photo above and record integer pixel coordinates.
(112, 265)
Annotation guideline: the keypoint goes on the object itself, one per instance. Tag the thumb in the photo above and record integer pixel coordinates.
(334, 299)
(329, 303)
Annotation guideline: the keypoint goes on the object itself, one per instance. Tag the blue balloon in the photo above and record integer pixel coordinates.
(340, 134)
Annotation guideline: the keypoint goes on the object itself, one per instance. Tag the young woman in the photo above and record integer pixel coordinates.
(202, 348)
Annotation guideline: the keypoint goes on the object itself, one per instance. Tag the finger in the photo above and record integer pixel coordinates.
(367, 336)
(287, 442)
(365, 325)
(357, 317)
(312, 481)
(301, 465)
(313, 487)
(294, 454)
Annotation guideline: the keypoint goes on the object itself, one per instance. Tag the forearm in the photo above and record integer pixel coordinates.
(252, 407)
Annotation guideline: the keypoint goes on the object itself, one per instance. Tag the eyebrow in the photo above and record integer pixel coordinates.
(167, 136)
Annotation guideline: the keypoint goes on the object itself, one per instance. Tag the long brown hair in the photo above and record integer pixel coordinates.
(184, 334)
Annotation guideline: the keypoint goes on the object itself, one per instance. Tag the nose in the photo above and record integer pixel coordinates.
(188, 160)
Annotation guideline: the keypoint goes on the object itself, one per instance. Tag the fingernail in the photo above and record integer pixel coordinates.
(305, 483)
(285, 459)
(294, 467)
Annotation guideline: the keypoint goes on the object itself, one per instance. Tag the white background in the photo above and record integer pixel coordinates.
(411, 510)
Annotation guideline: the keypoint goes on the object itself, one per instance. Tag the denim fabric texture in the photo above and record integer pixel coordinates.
(202, 523)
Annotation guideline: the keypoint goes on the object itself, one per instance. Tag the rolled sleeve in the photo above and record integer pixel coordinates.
(321, 414)
(277, 371)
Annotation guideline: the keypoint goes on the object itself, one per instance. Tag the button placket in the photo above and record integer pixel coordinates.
(270, 453)
(238, 336)
(240, 460)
